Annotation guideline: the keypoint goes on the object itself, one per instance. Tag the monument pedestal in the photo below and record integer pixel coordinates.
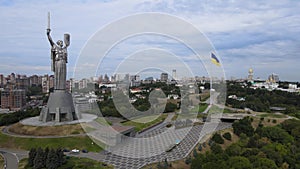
(60, 107)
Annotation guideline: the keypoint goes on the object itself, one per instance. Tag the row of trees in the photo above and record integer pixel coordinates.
(10, 118)
(45, 158)
(264, 147)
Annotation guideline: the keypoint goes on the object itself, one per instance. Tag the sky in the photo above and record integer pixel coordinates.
(263, 35)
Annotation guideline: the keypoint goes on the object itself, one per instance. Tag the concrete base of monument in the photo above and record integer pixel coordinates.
(34, 121)
(60, 107)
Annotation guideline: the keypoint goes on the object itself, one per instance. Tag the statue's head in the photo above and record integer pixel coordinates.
(60, 43)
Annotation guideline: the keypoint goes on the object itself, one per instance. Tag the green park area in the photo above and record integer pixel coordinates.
(73, 162)
(141, 126)
(273, 115)
(246, 145)
(80, 142)
(103, 121)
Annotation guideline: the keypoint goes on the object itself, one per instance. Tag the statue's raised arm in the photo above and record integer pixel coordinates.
(49, 37)
(53, 46)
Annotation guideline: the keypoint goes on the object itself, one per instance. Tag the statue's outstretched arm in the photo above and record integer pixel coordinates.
(49, 37)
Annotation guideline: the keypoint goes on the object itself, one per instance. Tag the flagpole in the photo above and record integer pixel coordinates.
(210, 91)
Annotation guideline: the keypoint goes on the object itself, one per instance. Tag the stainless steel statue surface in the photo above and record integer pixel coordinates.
(59, 57)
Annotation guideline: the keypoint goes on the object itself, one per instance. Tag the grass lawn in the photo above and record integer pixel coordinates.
(102, 121)
(141, 126)
(227, 111)
(273, 115)
(74, 163)
(266, 121)
(80, 142)
(22, 163)
(1, 162)
(174, 117)
(202, 107)
(215, 109)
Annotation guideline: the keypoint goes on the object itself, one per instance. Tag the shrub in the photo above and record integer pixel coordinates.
(188, 160)
(169, 125)
(195, 154)
(200, 147)
(227, 136)
(217, 138)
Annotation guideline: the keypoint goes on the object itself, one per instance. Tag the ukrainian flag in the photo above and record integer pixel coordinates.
(215, 60)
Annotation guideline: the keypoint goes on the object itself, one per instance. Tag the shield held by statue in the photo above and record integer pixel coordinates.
(67, 39)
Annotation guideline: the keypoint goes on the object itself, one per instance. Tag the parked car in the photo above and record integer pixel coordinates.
(84, 151)
(75, 151)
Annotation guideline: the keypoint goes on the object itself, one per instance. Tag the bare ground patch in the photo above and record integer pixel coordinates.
(64, 130)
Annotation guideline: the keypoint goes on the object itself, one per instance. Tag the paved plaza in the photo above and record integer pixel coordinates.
(150, 148)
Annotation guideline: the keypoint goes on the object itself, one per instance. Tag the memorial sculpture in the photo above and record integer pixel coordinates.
(60, 106)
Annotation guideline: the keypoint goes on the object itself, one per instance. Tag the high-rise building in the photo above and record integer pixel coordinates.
(45, 84)
(22, 82)
(106, 78)
(1, 80)
(174, 75)
(13, 99)
(164, 77)
(33, 80)
(68, 85)
(135, 80)
(12, 78)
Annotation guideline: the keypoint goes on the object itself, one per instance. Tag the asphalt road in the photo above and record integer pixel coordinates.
(12, 157)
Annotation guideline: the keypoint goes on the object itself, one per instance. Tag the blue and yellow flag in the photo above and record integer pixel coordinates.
(215, 60)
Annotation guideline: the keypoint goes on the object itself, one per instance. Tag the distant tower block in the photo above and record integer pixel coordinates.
(250, 75)
(174, 76)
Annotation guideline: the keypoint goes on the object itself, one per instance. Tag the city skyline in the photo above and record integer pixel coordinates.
(259, 35)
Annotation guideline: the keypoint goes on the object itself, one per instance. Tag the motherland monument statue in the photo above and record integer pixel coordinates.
(60, 106)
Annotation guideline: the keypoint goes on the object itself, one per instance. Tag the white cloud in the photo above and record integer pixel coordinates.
(249, 32)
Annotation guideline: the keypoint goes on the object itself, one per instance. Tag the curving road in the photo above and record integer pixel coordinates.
(12, 157)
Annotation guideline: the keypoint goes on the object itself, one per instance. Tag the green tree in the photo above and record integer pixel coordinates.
(264, 163)
(170, 107)
(39, 161)
(239, 162)
(243, 126)
(277, 134)
(52, 161)
(216, 148)
(234, 150)
(61, 158)
(31, 157)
